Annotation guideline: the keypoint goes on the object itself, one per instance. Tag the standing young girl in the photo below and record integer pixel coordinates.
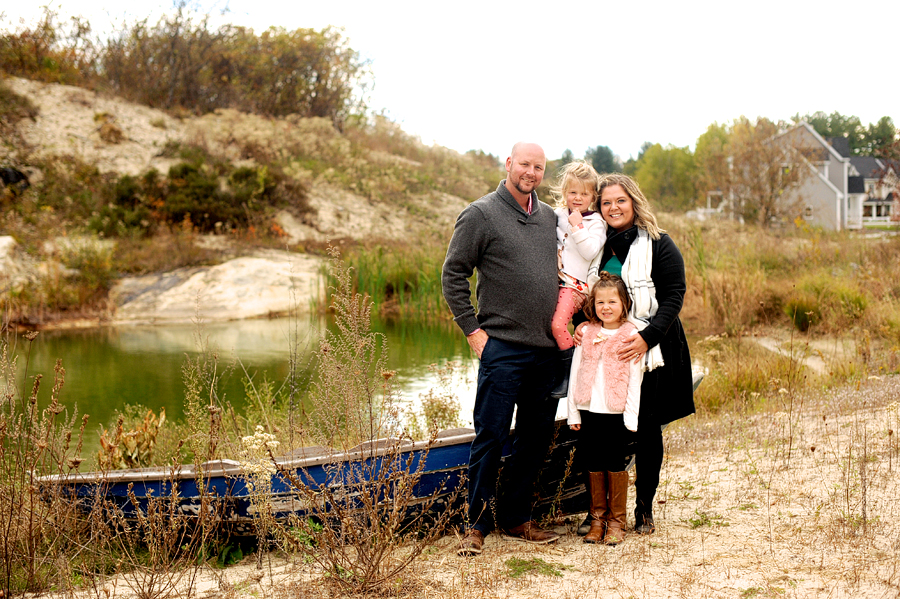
(603, 403)
(580, 235)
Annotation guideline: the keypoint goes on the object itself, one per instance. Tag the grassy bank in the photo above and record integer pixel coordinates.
(231, 175)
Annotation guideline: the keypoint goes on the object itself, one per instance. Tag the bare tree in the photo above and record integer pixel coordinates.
(758, 169)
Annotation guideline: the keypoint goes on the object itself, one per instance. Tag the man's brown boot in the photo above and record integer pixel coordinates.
(618, 498)
(599, 506)
(472, 543)
(530, 532)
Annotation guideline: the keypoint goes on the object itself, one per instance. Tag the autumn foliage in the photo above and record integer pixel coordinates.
(183, 62)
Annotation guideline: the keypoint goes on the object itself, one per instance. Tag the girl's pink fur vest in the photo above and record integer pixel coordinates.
(615, 371)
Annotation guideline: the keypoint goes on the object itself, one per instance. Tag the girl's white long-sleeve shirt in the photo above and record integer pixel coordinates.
(598, 400)
(580, 245)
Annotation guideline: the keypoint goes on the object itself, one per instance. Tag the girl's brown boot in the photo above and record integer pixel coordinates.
(618, 498)
(599, 506)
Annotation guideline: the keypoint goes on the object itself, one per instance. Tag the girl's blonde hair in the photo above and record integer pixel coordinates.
(577, 170)
(643, 214)
(608, 281)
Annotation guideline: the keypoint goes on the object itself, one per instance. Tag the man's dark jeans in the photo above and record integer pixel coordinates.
(510, 376)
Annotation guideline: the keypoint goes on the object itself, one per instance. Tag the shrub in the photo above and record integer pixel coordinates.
(803, 310)
(37, 528)
(193, 194)
(50, 51)
(13, 107)
(365, 531)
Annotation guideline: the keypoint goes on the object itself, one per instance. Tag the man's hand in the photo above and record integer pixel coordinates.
(477, 341)
(575, 427)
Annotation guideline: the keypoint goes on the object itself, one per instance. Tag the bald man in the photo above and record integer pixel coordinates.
(509, 238)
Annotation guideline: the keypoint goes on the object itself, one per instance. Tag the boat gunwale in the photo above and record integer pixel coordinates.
(228, 467)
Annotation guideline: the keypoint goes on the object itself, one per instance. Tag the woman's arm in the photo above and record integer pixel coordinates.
(668, 278)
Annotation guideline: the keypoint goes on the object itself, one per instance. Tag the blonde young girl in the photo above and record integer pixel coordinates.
(603, 403)
(580, 235)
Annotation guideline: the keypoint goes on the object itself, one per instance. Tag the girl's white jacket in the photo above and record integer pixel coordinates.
(581, 246)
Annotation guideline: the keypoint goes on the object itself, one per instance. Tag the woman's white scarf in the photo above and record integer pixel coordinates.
(636, 274)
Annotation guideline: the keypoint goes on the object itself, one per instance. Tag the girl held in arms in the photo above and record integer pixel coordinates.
(580, 235)
(603, 403)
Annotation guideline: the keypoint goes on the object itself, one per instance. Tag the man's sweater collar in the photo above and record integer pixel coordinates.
(509, 199)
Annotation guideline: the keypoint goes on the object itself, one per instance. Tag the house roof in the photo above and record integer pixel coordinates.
(890, 164)
(841, 144)
(868, 166)
(856, 185)
(824, 148)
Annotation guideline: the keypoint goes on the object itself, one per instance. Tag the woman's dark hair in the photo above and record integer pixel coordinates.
(643, 215)
(608, 281)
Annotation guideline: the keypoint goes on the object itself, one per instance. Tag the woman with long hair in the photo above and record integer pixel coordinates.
(652, 267)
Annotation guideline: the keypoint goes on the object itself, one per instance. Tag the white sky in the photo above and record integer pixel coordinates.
(484, 74)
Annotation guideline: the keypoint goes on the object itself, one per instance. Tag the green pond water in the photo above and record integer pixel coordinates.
(107, 368)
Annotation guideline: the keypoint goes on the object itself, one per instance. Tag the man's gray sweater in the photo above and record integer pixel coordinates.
(515, 256)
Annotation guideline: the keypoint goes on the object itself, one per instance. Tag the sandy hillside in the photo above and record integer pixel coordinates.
(69, 123)
(70, 119)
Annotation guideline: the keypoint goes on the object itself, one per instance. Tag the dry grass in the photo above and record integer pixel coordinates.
(800, 502)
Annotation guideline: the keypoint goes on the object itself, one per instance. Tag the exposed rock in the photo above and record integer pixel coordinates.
(16, 268)
(268, 283)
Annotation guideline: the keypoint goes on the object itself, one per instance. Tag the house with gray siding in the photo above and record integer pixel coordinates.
(839, 191)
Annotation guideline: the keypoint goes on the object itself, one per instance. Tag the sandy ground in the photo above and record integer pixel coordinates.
(801, 502)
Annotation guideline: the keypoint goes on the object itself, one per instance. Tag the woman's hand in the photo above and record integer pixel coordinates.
(635, 348)
(575, 427)
(579, 333)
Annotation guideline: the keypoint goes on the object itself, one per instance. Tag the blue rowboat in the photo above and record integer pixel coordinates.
(222, 487)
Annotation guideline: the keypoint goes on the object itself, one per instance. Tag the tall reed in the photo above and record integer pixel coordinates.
(365, 531)
(402, 281)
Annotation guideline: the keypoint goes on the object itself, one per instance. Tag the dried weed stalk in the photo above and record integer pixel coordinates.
(159, 549)
(39, 530)
(370, 519)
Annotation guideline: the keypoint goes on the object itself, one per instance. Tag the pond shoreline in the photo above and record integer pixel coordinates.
(262, 284)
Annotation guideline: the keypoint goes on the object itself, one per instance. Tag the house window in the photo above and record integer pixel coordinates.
(807, 213)
(867, 211)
